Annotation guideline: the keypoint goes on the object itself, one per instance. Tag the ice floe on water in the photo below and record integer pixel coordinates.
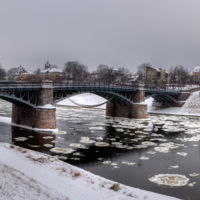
(77, 145)
(171, 145)
(194, 174)
(99, 138)
(48, 137)
(20, 139)
(149, 143)
(157, 135)
(162, 149)
(128, 163)
(151, 152)
(96, 128)
(173, 180)
(173, 167)
(108, 162)
(86, 140)
(62, 157)
(48, 145)
(62, 150)
(143, 158)
(60, 132)
(101, 144)
(182, 153)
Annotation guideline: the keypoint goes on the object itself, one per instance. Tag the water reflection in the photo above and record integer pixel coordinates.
(34, 140)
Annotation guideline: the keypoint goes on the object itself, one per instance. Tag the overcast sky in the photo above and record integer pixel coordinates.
(118, 33)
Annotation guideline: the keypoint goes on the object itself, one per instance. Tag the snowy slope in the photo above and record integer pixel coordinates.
(31, 175)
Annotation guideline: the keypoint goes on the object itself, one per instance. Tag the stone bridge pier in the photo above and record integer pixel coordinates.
(137, 110)
(42, 116)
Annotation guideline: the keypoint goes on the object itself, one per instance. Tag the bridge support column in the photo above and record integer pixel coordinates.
(43, 116)
(137, 111)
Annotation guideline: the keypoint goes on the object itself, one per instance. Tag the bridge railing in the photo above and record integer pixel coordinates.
(160, 90)
(92, 84)
(20, 85)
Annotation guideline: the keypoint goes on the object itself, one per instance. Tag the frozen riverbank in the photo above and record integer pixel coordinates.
(27, 174)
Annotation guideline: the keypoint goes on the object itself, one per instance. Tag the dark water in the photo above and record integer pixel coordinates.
(77, 124)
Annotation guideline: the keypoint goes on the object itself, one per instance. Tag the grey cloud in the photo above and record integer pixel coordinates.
(113, 32)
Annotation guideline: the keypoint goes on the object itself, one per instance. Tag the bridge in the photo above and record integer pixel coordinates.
(33, 102)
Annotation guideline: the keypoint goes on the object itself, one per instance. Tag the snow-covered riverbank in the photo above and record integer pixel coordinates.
(27, 174)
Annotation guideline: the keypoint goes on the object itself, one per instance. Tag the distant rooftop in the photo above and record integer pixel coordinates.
(196, 69)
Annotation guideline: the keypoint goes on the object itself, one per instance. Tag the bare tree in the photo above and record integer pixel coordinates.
(2, 73)
(37, 71)
(178, 76)
(142, 72)
(104, 74)
(11, 73)
(75, 71)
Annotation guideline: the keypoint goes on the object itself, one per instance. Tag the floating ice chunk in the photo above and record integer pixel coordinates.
(162, 149)
(151, 152)
(116, 143)
(97, 128)
(62, 150)
(31, 136)
(182, 153)
(190, 185)
(158, 139)
(74, 158)
(107, 162)
(101, 144)
(194, 174)
(77, 145)
(48, 145)
(120, 130)
(60, 132)
(34, 146)
(54, 141)
(48, 137)
(147, 129)
(62, 157)
(121, 146)
(171, 145)
(128, 163)
(157, 135)
(99, 138)
(195, 145)
(143, 158)
(114, 164)
(173, 167)
(20, 139)
(140, 146)
(86, 140)
(175, 180)
(149, 143)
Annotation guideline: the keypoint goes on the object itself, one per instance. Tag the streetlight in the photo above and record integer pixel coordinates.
(20, 70)
(47, 67)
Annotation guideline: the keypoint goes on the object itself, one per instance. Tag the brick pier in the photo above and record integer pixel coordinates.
(43, 116)
(137, 110)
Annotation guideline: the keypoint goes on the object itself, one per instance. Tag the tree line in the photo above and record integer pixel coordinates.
(76, 71)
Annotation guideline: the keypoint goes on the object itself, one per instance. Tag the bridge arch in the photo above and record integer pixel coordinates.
(113, 97)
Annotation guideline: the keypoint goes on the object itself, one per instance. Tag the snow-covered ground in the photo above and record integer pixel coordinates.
(27, 174)
(85, 99)
(191, 106)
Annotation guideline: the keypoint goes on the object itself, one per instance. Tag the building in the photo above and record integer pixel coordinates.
(156, 75)
(196, 74)
(53, 73)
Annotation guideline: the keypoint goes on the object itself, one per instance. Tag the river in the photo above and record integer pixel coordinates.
(122, 150)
